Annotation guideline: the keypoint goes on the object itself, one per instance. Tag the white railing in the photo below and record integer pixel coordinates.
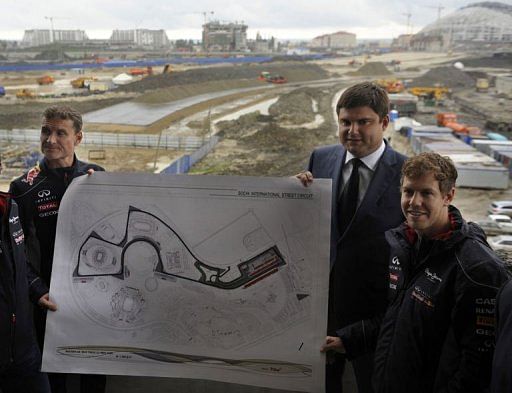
(111, 139)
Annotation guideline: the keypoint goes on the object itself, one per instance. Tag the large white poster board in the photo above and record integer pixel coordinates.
(208, 277)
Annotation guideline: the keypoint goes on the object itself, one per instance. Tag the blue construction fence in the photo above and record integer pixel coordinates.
(185, 162)
(144, 63)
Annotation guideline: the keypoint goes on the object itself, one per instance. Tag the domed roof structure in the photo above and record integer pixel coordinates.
(477, 23)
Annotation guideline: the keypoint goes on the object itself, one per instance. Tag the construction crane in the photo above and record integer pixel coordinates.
(51, 18)
(439, 8)
(408, 15)
(204, 13)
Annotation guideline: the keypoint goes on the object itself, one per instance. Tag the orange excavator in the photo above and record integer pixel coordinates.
(45, 80)
(141, 71)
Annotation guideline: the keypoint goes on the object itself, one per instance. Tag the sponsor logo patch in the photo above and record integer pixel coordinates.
(486, 301)
(50, 213)
(48, 206)
(485, 321)
(14, 220)
(19, 239)
(43, 193)
(31, 175)
(432, 276)
(422, 297)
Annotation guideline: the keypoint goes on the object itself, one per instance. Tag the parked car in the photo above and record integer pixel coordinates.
(501, 218)
(503, 242)
(501, 207)
(492, 228)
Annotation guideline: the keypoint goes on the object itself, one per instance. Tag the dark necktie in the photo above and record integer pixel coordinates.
(349, 197)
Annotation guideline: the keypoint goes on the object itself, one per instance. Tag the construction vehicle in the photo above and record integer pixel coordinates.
(45, 80)
(463, 129)
(268, 77)
(438, 93)
(392, 86)
(264, 75)
(278, 79)
(482, 85)
(354, 63)
(446, 117)
(25, 93)
(82, 82)
(141, 71)
(97, 87)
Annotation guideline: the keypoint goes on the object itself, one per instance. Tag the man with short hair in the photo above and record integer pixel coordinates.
(38, 193)
(20, 359)
(437, 334)
(365, 172)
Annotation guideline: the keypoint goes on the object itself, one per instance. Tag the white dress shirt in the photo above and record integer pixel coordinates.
(366, 171)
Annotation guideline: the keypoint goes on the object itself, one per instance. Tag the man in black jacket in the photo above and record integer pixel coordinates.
(38, 193)
(437, 334)
(20, 359)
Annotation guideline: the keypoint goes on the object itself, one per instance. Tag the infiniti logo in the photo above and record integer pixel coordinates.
(43, 193)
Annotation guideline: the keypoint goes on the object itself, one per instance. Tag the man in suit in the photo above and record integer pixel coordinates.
(365, 172)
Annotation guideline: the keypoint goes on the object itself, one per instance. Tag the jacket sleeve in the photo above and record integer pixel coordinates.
(473, 326)
(31, 241)
(360, 338)
(36, 286)
(311, 159)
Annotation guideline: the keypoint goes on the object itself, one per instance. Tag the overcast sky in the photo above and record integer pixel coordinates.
(183, 19)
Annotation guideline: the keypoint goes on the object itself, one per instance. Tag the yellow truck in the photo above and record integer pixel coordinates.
(436, 92)
(25, 93)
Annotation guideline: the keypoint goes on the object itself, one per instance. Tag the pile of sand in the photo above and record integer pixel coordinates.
(444, 76)
(497, 60)
(372, 69)
(292, 72)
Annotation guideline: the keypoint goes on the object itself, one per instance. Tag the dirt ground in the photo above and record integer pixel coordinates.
(258, 145)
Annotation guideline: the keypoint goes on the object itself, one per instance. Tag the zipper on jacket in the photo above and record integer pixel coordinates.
(13, 329)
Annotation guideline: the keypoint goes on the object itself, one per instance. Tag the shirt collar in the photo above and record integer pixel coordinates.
(371, 160)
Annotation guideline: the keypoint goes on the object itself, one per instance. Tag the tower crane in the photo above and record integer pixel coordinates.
(408, 15)
(439, 8)
(205, 13)
(51, 18)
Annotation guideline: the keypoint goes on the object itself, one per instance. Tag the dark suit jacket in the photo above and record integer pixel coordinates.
(359, 257)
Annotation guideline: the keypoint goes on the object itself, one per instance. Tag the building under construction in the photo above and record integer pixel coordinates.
(224, 37)
(39, 37)
(485, 25)
(140, 37)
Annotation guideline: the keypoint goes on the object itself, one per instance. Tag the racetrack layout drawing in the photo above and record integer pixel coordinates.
(203, 277)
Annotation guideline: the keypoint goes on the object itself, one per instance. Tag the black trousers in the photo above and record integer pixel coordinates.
(335, 368)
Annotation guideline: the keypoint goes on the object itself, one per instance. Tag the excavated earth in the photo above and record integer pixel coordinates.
(258, 145)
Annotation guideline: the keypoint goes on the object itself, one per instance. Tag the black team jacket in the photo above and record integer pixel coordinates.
(17, 282)
(437, 334)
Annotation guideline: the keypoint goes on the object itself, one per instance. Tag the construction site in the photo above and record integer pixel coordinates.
(260, 119)
(235, 113)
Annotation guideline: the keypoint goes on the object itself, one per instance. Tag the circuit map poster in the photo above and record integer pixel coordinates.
(205, 277)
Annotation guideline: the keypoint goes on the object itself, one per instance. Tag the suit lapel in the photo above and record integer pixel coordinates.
(335, 165)
(379, 184)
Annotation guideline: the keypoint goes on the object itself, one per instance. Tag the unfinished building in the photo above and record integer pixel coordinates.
(484, 25)
(224, 37)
